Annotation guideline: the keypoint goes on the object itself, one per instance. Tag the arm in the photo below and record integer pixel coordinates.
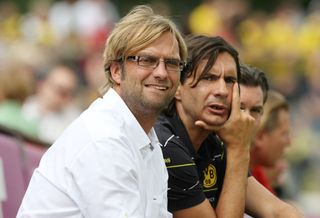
(232, 198)
(262, 203)
(202, 210)
(236, 133)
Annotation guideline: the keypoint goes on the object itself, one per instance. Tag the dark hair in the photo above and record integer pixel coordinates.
(201, 47)
(253, 76)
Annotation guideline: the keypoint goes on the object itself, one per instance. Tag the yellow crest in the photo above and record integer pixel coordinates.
(210, 176)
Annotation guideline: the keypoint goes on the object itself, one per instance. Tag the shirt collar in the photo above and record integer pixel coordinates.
(132, 128)
(180, 130)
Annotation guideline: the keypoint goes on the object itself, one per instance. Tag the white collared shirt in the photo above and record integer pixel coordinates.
(103, 165)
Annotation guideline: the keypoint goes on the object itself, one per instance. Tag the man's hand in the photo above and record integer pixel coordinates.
(238, 130)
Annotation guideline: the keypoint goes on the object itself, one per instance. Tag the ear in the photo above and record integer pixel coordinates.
(178, 93)
(115, 70)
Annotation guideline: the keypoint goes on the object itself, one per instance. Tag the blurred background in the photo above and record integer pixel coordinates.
(43, 42)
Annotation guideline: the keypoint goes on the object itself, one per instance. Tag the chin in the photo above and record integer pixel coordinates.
(216, 122)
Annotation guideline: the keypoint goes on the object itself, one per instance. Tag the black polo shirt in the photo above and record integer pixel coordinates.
(193, 176)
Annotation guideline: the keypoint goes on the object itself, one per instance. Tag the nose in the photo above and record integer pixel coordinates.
(220, 89)
(160, 71)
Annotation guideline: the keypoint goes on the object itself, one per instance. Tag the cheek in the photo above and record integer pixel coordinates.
(276, 144)
(175, 79)
(230, 93)
(229, 102)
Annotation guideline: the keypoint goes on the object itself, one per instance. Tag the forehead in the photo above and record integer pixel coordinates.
(224, 63)
(251, 95)
(164, 46)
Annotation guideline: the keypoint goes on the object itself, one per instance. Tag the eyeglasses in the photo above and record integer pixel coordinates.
(151, 62)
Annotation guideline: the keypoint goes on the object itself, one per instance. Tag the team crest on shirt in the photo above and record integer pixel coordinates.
(210, 176)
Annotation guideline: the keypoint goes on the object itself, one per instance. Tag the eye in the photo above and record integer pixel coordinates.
(256, 112)
(209, 77)
(172, 63)
(230, 80)
(148, 61)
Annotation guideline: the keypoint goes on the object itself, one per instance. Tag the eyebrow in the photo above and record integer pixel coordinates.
(212, 71)
(254, 107)
(257, 107)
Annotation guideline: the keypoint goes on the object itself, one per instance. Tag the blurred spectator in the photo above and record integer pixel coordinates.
(272, 137)
(53, 104)
(15, 86)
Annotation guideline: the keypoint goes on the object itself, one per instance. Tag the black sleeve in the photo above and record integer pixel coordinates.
(185, 189)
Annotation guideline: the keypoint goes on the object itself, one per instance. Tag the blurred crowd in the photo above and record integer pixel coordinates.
(58, 45)
(51, 67)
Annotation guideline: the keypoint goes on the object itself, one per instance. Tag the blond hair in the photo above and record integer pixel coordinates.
(139, 28)
(275, 102)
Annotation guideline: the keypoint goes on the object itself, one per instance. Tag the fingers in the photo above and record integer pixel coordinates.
(235, 104)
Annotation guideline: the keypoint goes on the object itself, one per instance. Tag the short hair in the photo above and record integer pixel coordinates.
(254, 77)
(275, 102)
(201, 47)
(138, 29)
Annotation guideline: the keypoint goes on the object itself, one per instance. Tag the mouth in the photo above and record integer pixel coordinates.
(218, 109)
(158, 87)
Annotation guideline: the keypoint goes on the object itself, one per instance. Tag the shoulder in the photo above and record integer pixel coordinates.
(164, 129)
(167, 134)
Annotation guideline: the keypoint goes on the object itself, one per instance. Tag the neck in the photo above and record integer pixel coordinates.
(196, 134)
(146, 121)
(145, 116)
